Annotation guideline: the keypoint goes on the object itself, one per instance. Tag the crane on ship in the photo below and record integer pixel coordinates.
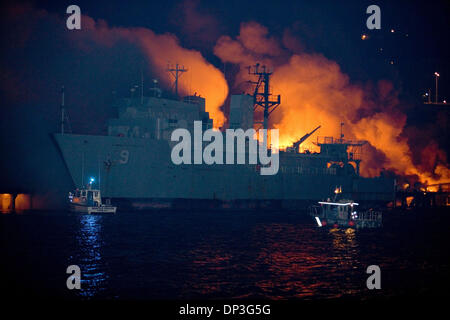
(296, 145)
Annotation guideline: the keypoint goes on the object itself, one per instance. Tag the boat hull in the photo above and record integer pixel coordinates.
(365, 219)
(91, 209)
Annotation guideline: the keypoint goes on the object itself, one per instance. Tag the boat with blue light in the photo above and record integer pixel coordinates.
(89, 200)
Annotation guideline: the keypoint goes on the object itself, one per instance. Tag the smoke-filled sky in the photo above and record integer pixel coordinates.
(324, 70)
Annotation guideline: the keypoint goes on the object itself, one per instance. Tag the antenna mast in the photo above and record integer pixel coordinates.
(142, 87)
(436, 96)
(262, 99)
(62, 110)
(176, 72)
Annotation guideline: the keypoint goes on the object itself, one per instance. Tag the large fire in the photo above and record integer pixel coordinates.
(316, 92)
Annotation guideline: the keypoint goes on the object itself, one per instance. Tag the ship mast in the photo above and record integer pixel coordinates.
(142, 87)
(176, 72)
(263, 99)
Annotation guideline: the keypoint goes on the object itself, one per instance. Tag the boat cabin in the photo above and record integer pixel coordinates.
(88, 197)
(342, 210)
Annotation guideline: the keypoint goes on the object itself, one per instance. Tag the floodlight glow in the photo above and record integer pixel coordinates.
(319, 223)
(340, 204)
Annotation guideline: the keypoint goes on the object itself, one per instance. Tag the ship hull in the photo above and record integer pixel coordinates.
(139, 173)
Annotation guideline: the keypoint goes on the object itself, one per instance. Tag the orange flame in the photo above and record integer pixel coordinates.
(316, 92)
(161, 50)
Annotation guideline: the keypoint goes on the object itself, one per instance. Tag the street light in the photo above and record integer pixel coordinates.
(437, 77)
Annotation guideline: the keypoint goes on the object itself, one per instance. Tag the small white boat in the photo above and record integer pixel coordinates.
(89, 201)
(342, 213)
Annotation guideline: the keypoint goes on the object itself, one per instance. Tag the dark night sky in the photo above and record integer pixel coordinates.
(332, 28)
(37, 59)
(418, 46)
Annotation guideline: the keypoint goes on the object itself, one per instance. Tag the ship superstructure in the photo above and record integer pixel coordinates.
(135, 167)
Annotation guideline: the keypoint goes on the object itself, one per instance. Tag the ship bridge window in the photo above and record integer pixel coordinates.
(83, 193)
(96, 194)
(77, 194)
(173, 122)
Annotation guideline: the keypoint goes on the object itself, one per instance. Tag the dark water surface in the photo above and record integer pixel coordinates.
(204, 255)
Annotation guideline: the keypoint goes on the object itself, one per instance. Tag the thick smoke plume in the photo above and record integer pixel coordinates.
(161, 50)
(314, 89)
(164, 50)
(316, 92)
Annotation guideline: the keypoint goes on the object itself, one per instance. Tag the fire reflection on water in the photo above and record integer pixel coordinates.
(289, 261)
(175, 256)
(302, 263)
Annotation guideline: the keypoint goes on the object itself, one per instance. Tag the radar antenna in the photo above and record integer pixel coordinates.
(176, 73)
(262, 99)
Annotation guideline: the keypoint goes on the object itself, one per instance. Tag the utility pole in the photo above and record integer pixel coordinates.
(176, 72)
(436, 95)
(437, 78)
(262, 99)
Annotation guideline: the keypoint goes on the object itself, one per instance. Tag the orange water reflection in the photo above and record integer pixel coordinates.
(288, 261)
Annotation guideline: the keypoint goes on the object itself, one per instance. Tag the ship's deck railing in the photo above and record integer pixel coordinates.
(370, 215)
(332, 140)
(354, 152)
(438, 187)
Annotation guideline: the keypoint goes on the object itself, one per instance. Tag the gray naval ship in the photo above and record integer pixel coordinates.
(132, 164)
